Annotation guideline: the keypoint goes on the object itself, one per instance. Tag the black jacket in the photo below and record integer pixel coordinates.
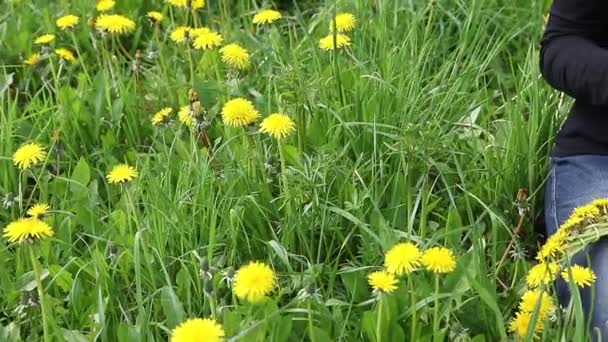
(574, 59)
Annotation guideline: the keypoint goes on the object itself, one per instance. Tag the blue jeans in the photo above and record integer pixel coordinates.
(574, 181)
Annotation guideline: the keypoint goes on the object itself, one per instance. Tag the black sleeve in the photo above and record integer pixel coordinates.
(572, 57)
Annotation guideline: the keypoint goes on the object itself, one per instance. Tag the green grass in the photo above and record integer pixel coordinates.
(423, 130)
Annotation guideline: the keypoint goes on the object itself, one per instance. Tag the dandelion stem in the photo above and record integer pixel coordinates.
(337, 74)
(284, 175)
(379, 320)
(38, 277)
(79, 57)
(191, 64)
(311, 332)
(436, 309)
(413, 306)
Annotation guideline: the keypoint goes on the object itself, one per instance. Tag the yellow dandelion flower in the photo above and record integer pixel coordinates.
(582, 276)
(572, 223)
(197, 31)
(38, 210)
(29, 155)
(162, 116)
(33, 59)
(554, 246)
(105, 5)
(402, 258)
(328, 42)
(239, 112)
(114, 23)
(278, 125)
(345, 22)
(601, 204)
(154, 16)
(254, 281)
(439, 260)
(587, 212)
(67, 21)
(45, 39)
(185, 116)
(193, 4)
(236, 56)
(542, 274)
(207, 40)
(521, 323)
(266, 16)
(65, 54)
(382, 281)
(24, 229)
(180, 34)
(530, 300)
(122, 173)
(198, 330)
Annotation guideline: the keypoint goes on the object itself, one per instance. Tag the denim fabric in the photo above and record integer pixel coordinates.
(574, 181)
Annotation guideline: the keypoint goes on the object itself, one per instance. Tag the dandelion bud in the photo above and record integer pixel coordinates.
(229, 276)
(205, 265)
(208, 287)
(192, 95)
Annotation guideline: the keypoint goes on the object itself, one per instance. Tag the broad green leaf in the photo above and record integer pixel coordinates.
(172, 307)
(81, 175)
(73, 336)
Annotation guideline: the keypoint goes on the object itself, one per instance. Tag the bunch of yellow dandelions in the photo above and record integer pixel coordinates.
(341, 24)
(584, 226)
(406, 257)
(252, 283)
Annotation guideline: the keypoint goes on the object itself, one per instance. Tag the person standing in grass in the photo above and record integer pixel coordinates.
(574, 60)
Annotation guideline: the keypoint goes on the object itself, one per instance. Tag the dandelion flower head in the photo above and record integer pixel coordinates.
(115, 24)
(278, 125)
(572, 223)
(345, 22)
(530, 299)
(206, 39)
(38, 210)
(193, 4)
(24, 229)
(521, 323)
(185, 116)
(236, 56)
(180, 34)
(554, 246)
(45, 39)
(67, 21)
(162, 116)
(439, 260)
(154, 16)
(33, 59)
(105, 5)
(601, 204)
(254, 281)
(542, 273)
(239, 112)
(587, 212)
(266, 16)
(29, 155)
(402, 258)
(382, 281)
(122, 173)
(198, 330)
(582, 276)
(328, 42)
(65, 54)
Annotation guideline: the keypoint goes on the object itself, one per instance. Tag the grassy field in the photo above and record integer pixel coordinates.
(423, 129)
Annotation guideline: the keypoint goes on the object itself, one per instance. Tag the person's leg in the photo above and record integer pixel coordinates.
(573, 182)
